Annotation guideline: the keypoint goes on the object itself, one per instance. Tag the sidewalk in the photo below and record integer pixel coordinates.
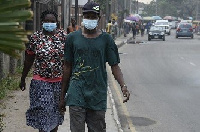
(112, 122)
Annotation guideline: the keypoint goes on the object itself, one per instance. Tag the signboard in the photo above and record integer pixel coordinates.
(80, 2)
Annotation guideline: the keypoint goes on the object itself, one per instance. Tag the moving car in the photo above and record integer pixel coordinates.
(184, 30)
(165, 24)
(156, 32)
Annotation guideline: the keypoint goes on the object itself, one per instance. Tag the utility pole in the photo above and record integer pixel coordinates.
(69, 5)
(198, 11)
(137, 7)
(130, 11)
(156, 7)
(125, 8)
(76, 11)
(64, 14)
(107, 11)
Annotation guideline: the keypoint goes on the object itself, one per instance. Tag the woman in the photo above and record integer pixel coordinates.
(45, 50)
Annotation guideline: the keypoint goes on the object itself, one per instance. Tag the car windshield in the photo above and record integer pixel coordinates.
(156, 28)
(162, 23)
(185, 26)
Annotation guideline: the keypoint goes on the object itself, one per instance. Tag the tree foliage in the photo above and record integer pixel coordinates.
(178, 8)
(12, 34)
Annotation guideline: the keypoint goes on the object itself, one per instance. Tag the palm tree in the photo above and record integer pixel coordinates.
(12, 34)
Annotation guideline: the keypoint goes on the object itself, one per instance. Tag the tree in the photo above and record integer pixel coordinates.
(178, 8)
(12, 34)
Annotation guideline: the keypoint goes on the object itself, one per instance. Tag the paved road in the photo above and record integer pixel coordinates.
(163, 78)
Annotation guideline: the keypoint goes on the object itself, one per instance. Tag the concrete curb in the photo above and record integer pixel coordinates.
(114, 111)
(123, 42)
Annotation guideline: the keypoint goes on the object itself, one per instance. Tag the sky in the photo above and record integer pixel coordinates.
(145, 1)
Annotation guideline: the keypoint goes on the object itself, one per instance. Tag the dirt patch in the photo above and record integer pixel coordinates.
(14, 107)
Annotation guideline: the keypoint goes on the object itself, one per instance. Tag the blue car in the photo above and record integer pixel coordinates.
(184, 30)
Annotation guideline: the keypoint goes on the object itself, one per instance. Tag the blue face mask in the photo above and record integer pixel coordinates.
(90, 24)
(49, 26)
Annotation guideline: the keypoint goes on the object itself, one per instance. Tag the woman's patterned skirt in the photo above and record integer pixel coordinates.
(43, 113)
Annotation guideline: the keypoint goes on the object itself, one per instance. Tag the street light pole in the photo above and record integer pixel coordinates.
(107, 11)
(76, 11)
(156, 7)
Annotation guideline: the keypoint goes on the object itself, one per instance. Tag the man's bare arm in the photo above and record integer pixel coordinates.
(116, 71)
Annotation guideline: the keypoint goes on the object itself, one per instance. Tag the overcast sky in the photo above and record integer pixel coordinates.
(145, 1)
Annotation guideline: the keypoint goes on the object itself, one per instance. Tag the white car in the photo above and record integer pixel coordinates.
(165, 24)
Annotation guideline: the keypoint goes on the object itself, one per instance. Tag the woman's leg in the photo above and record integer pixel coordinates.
(55, 129)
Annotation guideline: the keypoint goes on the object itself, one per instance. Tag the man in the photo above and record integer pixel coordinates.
(73, 26)
(85, 78)
(114, 29)
(109, 27)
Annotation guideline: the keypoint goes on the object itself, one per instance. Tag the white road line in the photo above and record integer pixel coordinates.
(192, 64)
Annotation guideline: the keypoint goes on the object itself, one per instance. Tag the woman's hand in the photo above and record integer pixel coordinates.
(62, 108)
(22, 84)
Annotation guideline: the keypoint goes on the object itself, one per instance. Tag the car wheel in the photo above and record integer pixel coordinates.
(149, 39)
(192, 36)
(176, 36)
(169, 33)
(163, 38)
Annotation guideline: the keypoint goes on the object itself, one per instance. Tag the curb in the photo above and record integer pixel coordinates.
(114, 111)
(123, 42)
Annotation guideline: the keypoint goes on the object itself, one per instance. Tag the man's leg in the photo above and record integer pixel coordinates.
(95, 121)
(77, 119)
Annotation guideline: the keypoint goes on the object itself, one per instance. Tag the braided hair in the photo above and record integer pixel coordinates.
(45, 13)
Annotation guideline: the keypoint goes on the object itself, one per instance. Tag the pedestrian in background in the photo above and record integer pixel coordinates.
(45, 51)
(73, 27)
(142, 30)
(109, 27)
(114, 29)
(126, 28)
(85, 77)
(133, 27)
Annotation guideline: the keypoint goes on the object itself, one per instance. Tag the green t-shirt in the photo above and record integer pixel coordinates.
(88, 82)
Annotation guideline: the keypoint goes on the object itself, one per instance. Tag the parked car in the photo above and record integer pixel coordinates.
(165, 24)
(156, 32)
(184, 30)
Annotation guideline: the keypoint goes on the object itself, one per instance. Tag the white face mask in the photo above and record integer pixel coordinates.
(90, 24)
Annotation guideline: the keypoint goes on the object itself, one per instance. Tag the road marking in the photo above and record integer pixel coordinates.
(124, 108)
(192, 64)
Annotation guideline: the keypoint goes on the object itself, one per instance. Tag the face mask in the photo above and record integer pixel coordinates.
(90, 24)
(49, 26)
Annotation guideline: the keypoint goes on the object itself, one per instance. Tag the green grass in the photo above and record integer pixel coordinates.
(8, 83)
(1, 123)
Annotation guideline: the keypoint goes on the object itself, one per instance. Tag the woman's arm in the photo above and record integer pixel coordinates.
(28, 62)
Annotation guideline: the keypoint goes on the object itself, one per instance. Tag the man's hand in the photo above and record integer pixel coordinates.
(62, 108)
(126, 93)
(22, 84)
